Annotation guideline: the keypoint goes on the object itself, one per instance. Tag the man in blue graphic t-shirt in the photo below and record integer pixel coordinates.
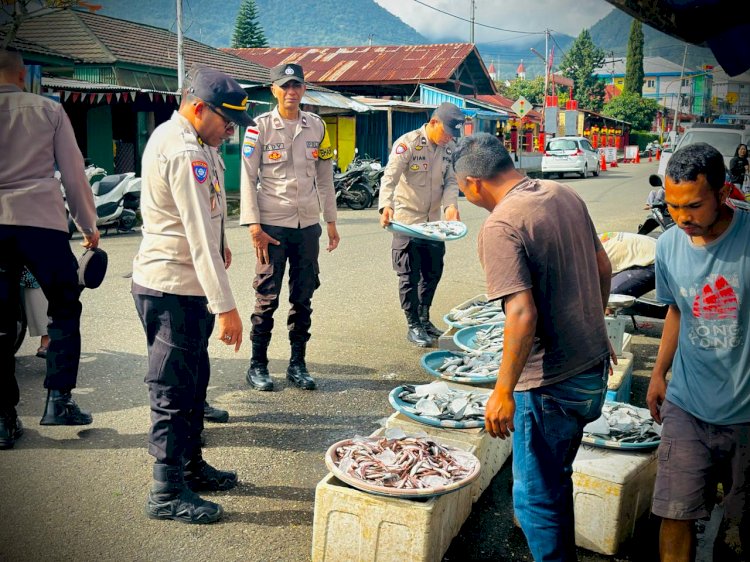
(702, 273)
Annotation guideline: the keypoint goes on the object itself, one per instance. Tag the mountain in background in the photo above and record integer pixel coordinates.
(300, 23)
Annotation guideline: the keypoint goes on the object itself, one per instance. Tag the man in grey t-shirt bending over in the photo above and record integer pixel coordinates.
(542, 257)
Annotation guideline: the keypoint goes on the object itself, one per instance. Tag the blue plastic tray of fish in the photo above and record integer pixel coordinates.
(623, 426)
(484, 337)
(433, 360)
(408, 410)
(440, 231)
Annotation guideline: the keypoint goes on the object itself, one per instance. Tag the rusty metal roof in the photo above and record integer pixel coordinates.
(378, 64)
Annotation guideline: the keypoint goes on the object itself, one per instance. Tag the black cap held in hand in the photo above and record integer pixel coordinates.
(221, 91)
(283, 73)
(451, 118)
(92, 267)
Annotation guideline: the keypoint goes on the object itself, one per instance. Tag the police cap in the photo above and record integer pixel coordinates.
(283, 73)
(451, 118)
(221, 91)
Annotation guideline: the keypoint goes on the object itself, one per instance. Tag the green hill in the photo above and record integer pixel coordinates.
(300, 23)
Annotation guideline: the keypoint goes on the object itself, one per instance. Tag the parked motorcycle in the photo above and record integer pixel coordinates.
(658, 217)
(352, 189)
(117, 198)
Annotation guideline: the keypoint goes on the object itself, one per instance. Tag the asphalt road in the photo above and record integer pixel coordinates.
(78, 492)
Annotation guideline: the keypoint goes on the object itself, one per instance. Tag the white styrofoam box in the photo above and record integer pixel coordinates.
(619, 383)
(491, 452)
(445, 341)
(611, 490)
(627, 342)
(356, 526)
(616, 331)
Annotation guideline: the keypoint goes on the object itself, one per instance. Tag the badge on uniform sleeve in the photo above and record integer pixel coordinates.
(401, 148)
(200, 170)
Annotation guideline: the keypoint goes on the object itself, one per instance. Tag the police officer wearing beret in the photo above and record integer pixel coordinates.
(35, 137)
(180, 287)
(286, 178)
(418, 181)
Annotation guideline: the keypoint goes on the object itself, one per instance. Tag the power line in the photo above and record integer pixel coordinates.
(480, 24)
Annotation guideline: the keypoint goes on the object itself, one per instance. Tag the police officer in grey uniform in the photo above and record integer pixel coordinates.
(35, 136)
(180, 287)
(286, 179)
(418, 181)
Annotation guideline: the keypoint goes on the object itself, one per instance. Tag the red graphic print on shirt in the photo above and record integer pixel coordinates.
(716, 302)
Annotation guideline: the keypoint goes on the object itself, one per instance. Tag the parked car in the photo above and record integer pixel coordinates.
(725, 138)
(570, 154)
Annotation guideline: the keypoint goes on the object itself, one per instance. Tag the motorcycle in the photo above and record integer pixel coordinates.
(117, 198)
(352, 189)
(659, 217)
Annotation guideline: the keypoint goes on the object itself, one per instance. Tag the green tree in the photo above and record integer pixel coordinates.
(247, 29)
(532, 90)
(634, 62)
(634, 109)
(579, 63)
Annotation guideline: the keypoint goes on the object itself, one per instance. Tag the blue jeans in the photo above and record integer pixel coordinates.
(549, 425)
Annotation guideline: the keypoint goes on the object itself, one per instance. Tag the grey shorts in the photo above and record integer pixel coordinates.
(695, 456)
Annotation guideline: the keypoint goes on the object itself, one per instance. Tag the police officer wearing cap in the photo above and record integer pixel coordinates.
(35, 137)
(418, 181)
(286, 179)
(181, 287)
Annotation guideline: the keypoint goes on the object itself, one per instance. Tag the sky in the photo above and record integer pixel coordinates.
(563, 16)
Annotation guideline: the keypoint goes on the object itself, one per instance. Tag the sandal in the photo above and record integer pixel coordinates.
(42, 352)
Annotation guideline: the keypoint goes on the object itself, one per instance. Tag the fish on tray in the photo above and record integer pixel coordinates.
(470, 364)
(479, 312)
(439, 401)
(624, 423)
(403, 463)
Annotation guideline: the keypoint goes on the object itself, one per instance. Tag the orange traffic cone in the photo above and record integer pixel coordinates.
(649, 156)
(658, 154)
(604, 163)
(637, 157)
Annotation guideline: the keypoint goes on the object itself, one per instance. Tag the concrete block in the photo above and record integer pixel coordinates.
(491, 452)
(619, 384)
(356, 526)
(611, 490)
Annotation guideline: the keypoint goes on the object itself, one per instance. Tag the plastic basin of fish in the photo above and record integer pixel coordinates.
(414, 231)
(432, 360)
(364, 486)
(449, 319)
(403, 407)
(465, 338)
(590, 439)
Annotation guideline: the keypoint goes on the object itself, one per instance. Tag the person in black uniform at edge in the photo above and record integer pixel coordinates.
(181, 288)
(418, 181)
(286, 180)
(35, 136)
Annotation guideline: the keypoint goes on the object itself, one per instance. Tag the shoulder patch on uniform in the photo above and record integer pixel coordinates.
(249, 142)
(200, 170)
(325, 150)
(401, 148)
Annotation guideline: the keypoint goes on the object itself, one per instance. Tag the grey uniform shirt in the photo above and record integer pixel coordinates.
(418, 179)
(284, 179)
(183, 205)
(35, 135)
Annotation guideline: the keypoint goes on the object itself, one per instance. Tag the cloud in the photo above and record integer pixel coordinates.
(562, 16)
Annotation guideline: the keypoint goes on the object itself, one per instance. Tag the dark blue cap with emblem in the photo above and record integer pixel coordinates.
(221, 91)
(283, 73)
(451, 117)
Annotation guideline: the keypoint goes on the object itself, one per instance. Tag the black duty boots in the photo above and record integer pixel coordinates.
(416, 333)
(170, 498)
(429, 327)
(202, 477)
(61, 409)
(215, 415)
(297, 370)
(258, 376)
(10, 428)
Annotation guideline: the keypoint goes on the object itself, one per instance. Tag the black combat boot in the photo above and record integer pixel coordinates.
(429, 327)
(258, 376)
(416, 333)
(201, 476)
(10, 428)
(297, 370)
(61, 409)
(215, 415)
(170, 498)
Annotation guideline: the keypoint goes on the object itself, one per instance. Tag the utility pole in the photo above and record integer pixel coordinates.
(180, 53)
(471, 35)
(679, 96)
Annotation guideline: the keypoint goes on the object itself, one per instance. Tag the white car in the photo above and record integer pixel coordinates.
(570, 154)
(724, 138)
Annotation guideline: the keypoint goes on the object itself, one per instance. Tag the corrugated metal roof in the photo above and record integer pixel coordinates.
(334, 100)
(97, 39)
(381, 104)
(368, 64)
(72, 84)
(651, 66)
